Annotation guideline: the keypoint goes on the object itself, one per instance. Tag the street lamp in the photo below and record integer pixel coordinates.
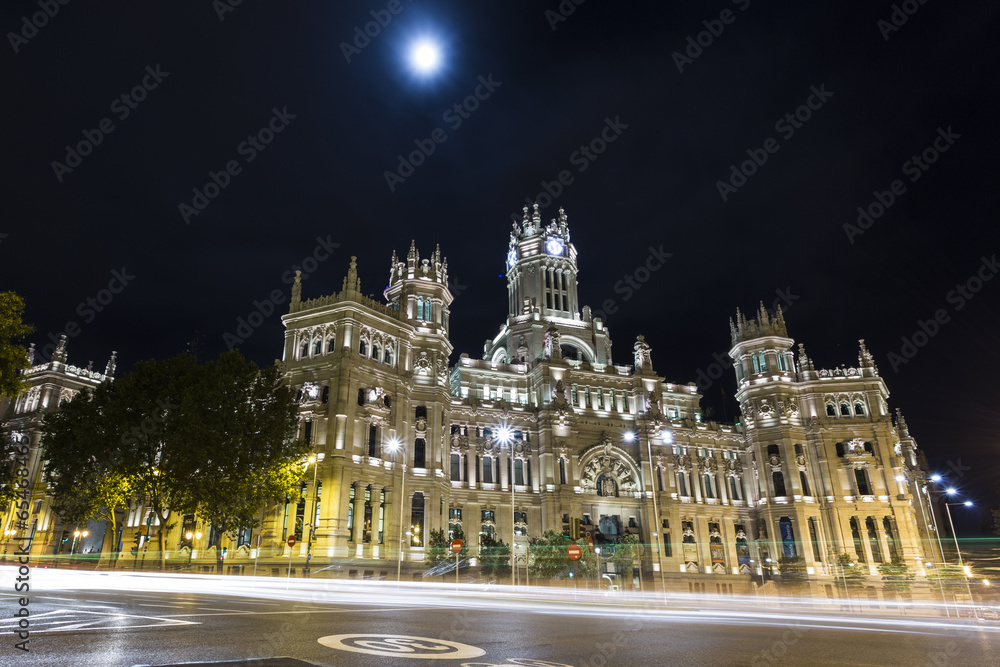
(967, 572)
(506, 437)
(667, 437)
(395, 446)
(314, 461)
(189, 535)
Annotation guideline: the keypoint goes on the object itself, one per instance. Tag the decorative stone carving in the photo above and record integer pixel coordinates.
(423, 364)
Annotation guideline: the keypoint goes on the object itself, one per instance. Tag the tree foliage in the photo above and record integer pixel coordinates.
(439, 547)
(854, 576)
(548, 557)
(793, 571)
(214, 440)
(494, 557)
(13, 355)
(896, 575)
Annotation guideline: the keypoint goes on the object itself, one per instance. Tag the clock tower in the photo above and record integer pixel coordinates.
(544, 318)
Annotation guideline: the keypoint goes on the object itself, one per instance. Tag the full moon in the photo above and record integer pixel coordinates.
(425, 56)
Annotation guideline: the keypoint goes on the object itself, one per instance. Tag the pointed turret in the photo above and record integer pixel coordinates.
(109, 370)
(297, 290)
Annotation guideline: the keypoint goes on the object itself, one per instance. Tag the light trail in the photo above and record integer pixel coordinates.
(674, 607)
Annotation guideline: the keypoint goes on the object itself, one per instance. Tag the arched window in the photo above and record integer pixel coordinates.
(304, 350)
(734, 488)
(376, 352)
(417, 520)
(318, 347)
(873, 540)
(890, 536)
(779, 483)
(859, 548)
(388, 356)
(845, 411)
(331, 344)
(363, 348)
(830, 410)
(859, 409)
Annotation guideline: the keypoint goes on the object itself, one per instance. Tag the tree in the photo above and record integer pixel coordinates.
(439, 547)
(494, 557)
(13, 355)
(549, 557)
(793, 572)
(896, 575)
(854, 576)
(216, 440)
(234, 448)
(624, 555)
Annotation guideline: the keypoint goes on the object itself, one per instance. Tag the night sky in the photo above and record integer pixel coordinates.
(677, 116)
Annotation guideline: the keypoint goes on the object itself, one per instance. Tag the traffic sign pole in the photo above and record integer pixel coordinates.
(291, 543)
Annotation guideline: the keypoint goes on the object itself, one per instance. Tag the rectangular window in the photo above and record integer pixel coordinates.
(861, 477)
(308, 432)
(455, 513)
(456, 467)
(814, 538)
(519, 472)
(487, 470)
(373, 441)
(562, 471)
(668, 550)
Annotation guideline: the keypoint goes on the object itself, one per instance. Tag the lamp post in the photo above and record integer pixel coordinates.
(314, 461)
(189, 535)
(395, 446)
(507, 439)
(961, 563)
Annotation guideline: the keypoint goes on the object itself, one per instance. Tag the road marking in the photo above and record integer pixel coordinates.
(397, 646)
(235, 611)
(168, 606)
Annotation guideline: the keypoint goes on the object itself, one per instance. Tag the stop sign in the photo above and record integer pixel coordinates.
(291, 540)
(456, 546)
(574, 552)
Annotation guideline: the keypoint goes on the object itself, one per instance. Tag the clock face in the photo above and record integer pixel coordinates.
(554, 246)
(511, 258)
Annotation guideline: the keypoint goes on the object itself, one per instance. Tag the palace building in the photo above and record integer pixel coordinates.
(547, 430)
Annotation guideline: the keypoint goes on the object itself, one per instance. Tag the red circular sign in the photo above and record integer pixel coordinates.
(456, 546)
(574, 552)
(291, 540)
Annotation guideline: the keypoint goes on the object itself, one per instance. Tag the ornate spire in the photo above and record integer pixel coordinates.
(762, 325)
(865, 359)
(60, 353)
(352, 283)
(109, 370)
(643, 355)
(904, 431)
(413, 254)
(297, 289)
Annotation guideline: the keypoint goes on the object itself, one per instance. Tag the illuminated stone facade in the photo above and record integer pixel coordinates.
(610, 448)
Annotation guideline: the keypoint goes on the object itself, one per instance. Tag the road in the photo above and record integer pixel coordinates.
(89, 619)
